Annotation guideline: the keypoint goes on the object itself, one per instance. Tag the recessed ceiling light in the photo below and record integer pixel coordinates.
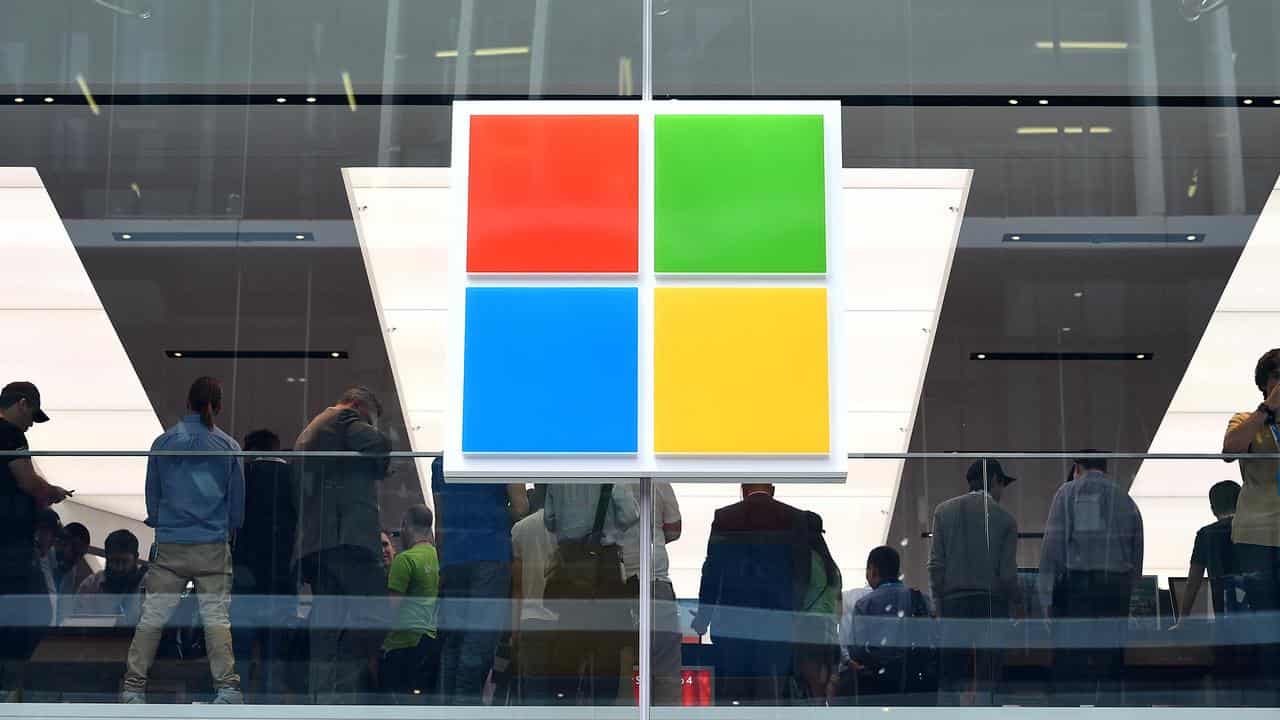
(311, 99)
(1066, 329)
(48, 99)
(1248, 101)
(177, 354)
(126, 236)
(302, 379)
(1015, 237)
(19, 100)
(1013, 101)
(281, 100)
(982, 356)
(1191, 237)
(1078, 294)
(299, 237)
(335, 354)
(288, 380)
(1141, 356)
(1276, 101)
(1043, 101)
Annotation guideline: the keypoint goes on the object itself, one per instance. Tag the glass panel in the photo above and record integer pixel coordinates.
(1120, 586)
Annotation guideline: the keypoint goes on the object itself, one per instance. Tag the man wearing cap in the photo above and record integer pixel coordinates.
(973, 576)
(22, 493)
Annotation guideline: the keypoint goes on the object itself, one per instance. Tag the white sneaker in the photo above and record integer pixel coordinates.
(228, 696)
(133, 697)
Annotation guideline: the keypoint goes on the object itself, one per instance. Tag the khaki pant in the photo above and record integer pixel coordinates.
(209, 567)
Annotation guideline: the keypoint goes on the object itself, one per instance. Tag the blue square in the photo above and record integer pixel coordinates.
(550, 370)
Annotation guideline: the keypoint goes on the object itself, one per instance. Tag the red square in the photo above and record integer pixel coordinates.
(553, 194)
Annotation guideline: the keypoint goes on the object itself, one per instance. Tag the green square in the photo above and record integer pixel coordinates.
(739, 194)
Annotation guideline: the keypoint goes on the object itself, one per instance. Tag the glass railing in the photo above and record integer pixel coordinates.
(1145, 580)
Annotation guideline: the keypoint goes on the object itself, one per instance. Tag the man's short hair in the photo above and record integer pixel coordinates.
(1268, 365)
(1088, 463)
(886, 562)
(261, 441)
(78, 531)
(359, 394)
(48, 519)
(121, 541)
(1223, 497)
(419, 519)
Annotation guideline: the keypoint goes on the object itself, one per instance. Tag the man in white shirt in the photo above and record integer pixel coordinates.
(532, 550)
(1089, 563)
(665, 645)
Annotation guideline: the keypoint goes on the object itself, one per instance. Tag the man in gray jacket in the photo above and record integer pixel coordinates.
(973, 576)
(338, 544)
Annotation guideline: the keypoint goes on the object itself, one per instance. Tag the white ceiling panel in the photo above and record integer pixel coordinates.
(1218, 382)
(886, 355)
(417, 342)
(35, 240)
(60, 338)
(74, 356)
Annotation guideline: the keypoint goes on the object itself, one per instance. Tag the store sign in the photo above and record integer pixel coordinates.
(646, 289)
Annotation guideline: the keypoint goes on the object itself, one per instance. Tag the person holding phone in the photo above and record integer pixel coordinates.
(23, 493)
(1255, 529)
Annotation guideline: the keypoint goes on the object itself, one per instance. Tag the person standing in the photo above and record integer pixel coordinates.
(666, 640)
(533, 624)
(973, 577)
(586, 591)
(1255, 529)
(411, 659)
(338, 545)
(473, 535)
(264, 591)
(1090, 561)
(195, 503)
(23, 492)
(754, 579)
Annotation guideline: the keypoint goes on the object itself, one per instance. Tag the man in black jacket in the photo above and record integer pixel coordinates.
(339, 548)
(753, 579)
(264, 591)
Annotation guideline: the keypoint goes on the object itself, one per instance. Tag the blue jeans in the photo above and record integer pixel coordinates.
(474, 614)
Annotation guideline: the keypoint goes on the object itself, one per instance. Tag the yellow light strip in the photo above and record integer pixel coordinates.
(351, 93)
(1082, 45)
(490, 52)
(88, 96)
(1037, 130)
(487, 52)
(1099, 130)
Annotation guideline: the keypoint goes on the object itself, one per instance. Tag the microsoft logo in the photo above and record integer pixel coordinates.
(645, 289)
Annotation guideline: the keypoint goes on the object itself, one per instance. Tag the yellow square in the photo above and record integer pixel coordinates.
(741, 371)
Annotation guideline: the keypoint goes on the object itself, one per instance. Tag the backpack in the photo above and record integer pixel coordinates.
(921, 668)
